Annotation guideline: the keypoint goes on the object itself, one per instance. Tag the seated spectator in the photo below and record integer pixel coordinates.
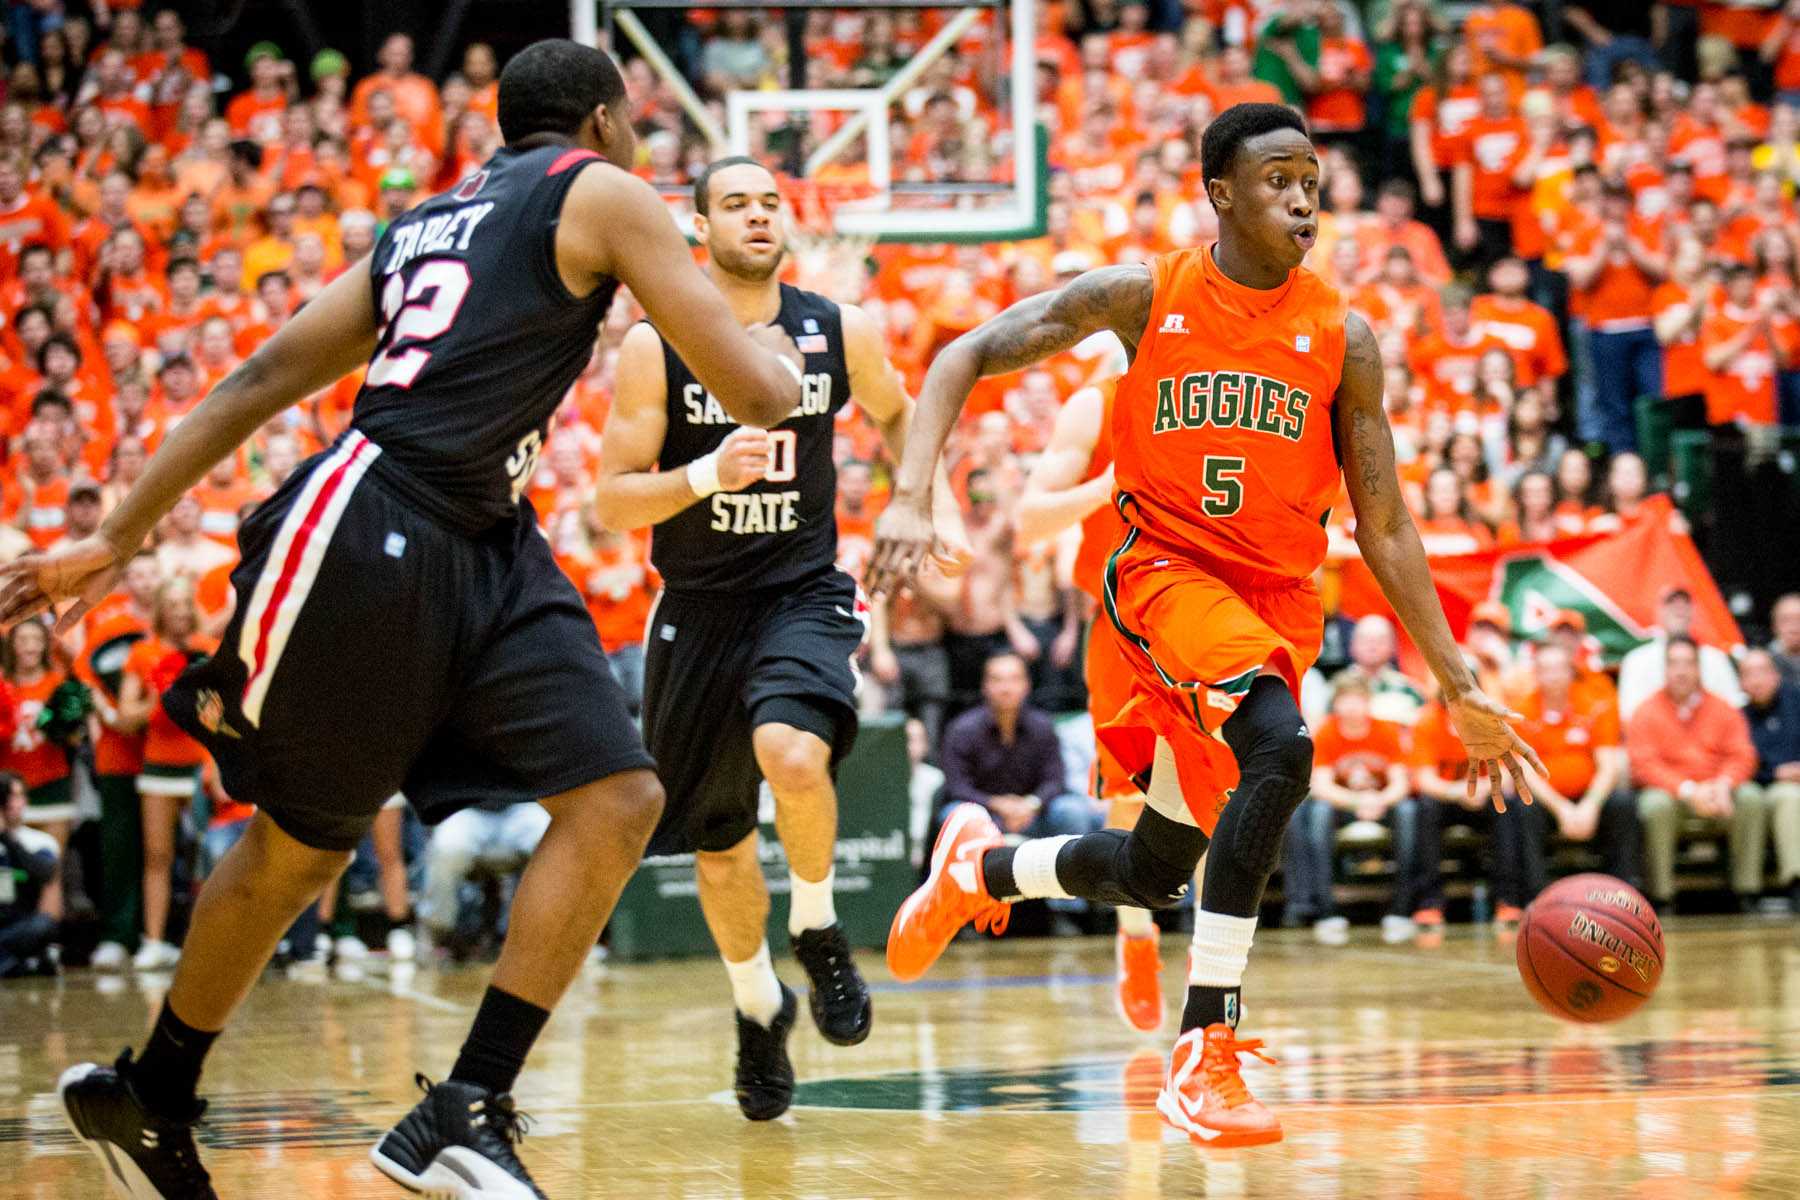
(1359, 774)
(1004, 755)
(1393, 696)
(1641, 671)
(1784, 647)
(1577, 736)
(1773, 709)
(1691, 755)
(28, 861)
(496, 836)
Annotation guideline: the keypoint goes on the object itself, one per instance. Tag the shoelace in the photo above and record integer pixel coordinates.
(498, 1115)
(941, 920)
(1219, 1065)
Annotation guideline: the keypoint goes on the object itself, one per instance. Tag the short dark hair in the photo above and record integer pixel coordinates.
(35, 250)
(553, 85)
(58, 338)
(703, 185)
(50, 398)
(1237, 125)
(1680, 639)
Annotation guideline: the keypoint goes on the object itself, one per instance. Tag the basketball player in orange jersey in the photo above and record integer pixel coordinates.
(1072, 484)
(1250, 386)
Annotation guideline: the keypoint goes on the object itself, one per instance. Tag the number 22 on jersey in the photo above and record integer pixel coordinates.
(413, 313)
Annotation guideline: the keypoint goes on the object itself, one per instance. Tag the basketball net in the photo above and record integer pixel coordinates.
(825, 261)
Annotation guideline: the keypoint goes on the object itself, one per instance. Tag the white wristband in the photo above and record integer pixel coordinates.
(703, 475)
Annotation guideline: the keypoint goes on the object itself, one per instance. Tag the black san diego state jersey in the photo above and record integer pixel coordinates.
(783, 527)
(479, 339)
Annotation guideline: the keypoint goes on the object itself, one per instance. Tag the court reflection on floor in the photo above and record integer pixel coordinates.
(1404, 1073)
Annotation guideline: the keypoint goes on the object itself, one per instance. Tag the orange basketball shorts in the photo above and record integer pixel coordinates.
(1197, 632)
(1109, 681)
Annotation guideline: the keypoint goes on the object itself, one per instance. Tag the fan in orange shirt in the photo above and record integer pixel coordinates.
(1679, 306)
(1742, 346)
(1613, 267)
(26, 217)
(1248, 380)
(857, 508)
(1503, 39)
(1528, 330)
(1488, 154)
(1446, 359)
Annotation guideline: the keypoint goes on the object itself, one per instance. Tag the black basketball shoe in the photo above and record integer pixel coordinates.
(765, 1077)
(457, 1144)
(147, 1157)
(839, 998)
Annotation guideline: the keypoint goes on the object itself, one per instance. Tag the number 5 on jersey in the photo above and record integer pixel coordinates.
(1224, 480)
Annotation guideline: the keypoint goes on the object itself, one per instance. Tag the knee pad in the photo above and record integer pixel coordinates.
(1275, 756)
(1159, 877)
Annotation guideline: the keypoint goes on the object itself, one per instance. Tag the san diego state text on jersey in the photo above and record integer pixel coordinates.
(783, 527)
(479, 338)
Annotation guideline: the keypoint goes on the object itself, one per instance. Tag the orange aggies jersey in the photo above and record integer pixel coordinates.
(1222, 427)
(1101, 530)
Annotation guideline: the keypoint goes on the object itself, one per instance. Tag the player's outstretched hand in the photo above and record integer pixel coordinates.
(83, 571)
(904, 537)
(743, 458)
(1484, 726)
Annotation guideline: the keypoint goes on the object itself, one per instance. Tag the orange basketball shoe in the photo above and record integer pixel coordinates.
(1205, 1098)
(953, 894)
(1140, 982)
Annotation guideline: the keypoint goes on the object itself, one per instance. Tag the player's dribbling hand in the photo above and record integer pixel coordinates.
(743, 458)
(904, 536)
(84, 571)
(1484, 726)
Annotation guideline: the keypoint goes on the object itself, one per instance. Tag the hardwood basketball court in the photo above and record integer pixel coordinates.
(1405, 1073)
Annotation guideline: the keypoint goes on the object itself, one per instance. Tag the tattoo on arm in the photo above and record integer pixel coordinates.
(1115, 298)
(1371, 441)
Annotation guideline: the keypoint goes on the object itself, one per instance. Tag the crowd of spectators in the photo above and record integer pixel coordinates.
(1541, 232)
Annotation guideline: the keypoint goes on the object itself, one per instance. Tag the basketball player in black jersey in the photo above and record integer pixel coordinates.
(401, 624)
(747, 672)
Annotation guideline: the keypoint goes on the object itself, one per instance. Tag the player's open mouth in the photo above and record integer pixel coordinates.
(759, 239)
(1305, 235)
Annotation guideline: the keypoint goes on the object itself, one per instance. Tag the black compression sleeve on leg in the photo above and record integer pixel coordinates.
(1147, 868)
(1274, 754)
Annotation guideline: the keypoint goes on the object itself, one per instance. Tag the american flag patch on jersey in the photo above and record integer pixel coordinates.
(811, 343)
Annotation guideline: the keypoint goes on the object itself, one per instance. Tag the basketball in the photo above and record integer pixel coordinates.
(1590, 949)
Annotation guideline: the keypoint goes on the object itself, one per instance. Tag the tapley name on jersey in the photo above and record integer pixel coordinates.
(434, 235)
(1223, 399)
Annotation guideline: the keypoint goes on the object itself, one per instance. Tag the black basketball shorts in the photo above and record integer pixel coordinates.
(716, 667)
(376, 649)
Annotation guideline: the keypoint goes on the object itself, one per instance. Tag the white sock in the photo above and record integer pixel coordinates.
(1221, 949)
(754, 988)
(1034, 868)
(1136, 922)
(809, 904)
